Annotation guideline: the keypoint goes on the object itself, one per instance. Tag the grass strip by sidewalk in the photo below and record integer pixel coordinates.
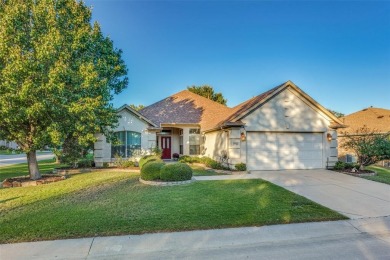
(115, 203)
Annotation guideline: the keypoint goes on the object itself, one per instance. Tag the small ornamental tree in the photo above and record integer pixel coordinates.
(370, 146)
(58, 74)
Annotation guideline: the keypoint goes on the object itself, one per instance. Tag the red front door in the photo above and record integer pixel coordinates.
(166, 147)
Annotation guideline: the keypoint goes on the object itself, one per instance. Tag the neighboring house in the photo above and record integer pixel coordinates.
(377, 119)
(283, 128)
(8, 144)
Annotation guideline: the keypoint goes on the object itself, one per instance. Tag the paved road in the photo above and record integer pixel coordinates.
(352, 239)
(6, 160)
(351, 196)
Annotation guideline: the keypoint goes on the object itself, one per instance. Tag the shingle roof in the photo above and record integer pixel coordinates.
(186, 107)
(373, 118)
(247, 105)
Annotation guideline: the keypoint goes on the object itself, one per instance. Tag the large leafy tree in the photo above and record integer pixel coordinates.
(369, 145)
(58, 74)
(208, 92)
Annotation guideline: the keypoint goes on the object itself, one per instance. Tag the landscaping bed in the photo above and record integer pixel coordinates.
(359, 173)
(25, 181)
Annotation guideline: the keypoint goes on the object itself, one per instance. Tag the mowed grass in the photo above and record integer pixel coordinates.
(21, 169)
(114, 203)
(201, 171)
(383, 174)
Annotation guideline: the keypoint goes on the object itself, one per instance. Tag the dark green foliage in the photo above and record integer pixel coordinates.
(369, 145)
(151, 171)
(205, 160)
(85, 163)
(58, 76)
(176, 172)
(240, 167)
(336, 113)
(122, 162)
(148, 158)
(208, 92)
(339, 166)
(351, 165)
(188, 159)
(137, 107)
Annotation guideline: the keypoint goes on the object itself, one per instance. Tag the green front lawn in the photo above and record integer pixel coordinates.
(383, 174)
(21, 169)
(201, 171)
(113, 203)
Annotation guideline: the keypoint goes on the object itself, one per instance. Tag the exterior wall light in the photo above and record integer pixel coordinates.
(329, 137)
(242, 136)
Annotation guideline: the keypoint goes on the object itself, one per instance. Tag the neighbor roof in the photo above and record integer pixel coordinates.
(374, 118)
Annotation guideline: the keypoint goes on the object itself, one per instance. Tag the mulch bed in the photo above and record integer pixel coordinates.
(358, 173)
(25, 181)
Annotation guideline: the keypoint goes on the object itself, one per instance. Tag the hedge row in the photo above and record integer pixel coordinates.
(210, 163)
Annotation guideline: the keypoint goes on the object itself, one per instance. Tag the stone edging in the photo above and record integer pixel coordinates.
(360, 174)
(166, 183)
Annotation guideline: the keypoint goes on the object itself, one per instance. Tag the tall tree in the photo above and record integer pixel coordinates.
(336, 113)
(137, 107)
(58, 74)
(208, 92)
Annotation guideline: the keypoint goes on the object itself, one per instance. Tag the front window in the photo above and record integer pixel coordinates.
(129, 142)
(194, 141)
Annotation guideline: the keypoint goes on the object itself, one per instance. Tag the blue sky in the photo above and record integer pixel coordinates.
(337, 52)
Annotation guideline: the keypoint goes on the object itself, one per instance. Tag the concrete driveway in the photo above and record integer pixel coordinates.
(351, 196)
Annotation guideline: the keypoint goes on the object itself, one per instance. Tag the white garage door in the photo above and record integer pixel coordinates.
(278, 151)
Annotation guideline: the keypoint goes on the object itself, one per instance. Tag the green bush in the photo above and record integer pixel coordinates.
(85, 163)
(176, 172)
(148, 158)
(339, 166)
(351, 165)
(240, 167)
(122, 162)
(189, 159)
(151, 171)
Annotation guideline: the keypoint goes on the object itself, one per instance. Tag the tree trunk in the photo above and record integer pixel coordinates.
(33, 165)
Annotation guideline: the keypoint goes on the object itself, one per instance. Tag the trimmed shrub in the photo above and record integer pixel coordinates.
(351, 165)
(240, 167)
(339, 166)
(148, 158)
(176, 172)
(123, 162)
(85, 163)
(151, 171)
(191, 159)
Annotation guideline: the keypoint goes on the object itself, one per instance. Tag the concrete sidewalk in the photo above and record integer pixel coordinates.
(351, 239)
(351, 196)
